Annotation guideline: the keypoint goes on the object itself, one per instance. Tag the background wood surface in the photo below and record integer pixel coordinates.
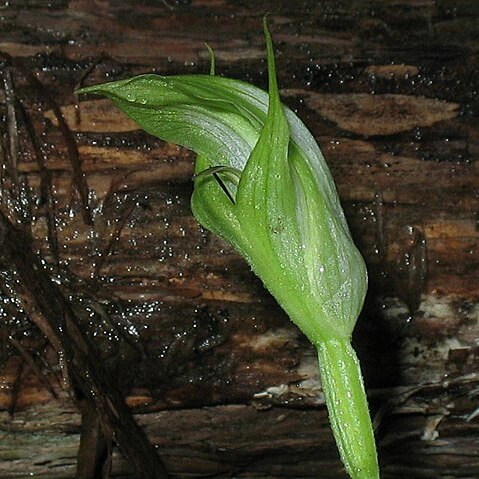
(138, 300)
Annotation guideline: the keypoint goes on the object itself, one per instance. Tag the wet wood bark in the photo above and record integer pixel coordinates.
(220, 381)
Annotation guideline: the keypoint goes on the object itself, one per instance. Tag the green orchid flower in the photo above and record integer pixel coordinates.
(262, 184)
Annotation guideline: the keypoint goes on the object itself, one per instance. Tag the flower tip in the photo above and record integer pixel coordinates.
(272, 82)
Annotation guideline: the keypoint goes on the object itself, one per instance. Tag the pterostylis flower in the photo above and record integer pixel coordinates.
(261, 183)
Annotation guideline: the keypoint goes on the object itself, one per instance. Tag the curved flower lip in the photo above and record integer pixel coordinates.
(262, 184)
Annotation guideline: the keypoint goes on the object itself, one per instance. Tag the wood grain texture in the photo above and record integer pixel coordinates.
(217, 376)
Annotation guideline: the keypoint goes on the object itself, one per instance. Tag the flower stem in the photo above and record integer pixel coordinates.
(348, 408)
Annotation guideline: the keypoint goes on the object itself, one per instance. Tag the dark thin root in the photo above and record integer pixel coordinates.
(42, 296)
(4, 164)
(12, 126)
(79, 85)
(114, 238)
(380, 227)
(33, 366)
(46, 186)
(114, 188)
(73, 155)
(17, 385)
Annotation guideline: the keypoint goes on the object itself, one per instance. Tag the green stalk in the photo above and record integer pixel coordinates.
(348, 407)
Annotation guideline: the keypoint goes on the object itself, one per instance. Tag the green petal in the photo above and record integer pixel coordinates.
(198, 112)
(335, 270)
(266, 210)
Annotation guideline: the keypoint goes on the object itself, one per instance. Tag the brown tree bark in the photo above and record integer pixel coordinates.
(219, 380)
